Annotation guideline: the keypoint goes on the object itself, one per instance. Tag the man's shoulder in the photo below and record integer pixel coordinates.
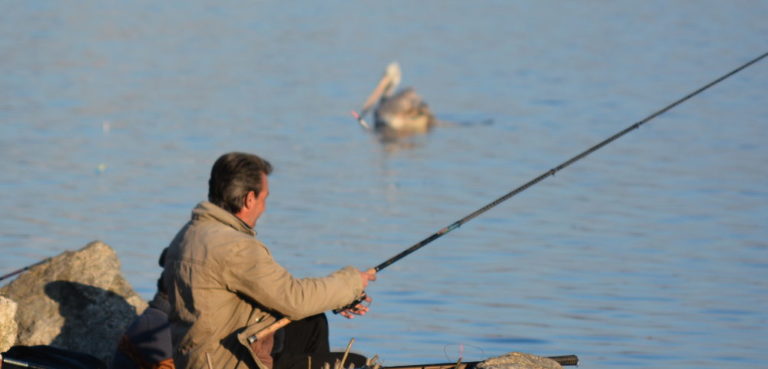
(206, 240)
(219, 238)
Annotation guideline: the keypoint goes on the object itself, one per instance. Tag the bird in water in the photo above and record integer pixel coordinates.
(396, 114)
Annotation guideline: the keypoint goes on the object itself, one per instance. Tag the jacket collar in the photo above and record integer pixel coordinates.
(208, 210)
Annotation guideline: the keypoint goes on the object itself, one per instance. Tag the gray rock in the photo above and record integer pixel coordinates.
(78, 301)
(519, 360)
(8, 326)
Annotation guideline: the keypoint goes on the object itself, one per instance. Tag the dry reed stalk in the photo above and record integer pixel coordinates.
(346, 353)
(372, 360)
(458, 363)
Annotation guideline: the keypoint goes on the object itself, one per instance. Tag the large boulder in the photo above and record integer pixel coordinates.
(78, 301)
(8, 326)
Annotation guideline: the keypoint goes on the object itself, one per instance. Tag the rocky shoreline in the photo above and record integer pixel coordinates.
(77, 301)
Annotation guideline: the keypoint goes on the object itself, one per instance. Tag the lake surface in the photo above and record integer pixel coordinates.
(651, 252)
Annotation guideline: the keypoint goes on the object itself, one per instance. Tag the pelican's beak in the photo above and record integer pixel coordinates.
(386, 85)
(375, 95)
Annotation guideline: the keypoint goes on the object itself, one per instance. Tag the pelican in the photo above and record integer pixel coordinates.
(396, 114)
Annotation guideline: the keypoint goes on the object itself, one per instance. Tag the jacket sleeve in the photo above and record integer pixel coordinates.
(251, 271)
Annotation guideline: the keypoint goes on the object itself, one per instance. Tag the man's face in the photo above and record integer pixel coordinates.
(255, 205)
(261, 199)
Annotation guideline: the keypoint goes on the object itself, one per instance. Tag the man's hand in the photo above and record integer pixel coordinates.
(359, 309)
(362, 307)
(368, 275)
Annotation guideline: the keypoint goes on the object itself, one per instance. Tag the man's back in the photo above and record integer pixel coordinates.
(223, 282)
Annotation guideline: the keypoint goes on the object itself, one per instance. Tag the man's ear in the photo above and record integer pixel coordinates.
(250, 200)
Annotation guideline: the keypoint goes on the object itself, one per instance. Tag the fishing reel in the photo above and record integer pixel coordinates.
(353, 306)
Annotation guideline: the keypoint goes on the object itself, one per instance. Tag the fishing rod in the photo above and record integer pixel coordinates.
(13, 273)
(560, 167)
(21, 363)
(442, 232)
(564, 360)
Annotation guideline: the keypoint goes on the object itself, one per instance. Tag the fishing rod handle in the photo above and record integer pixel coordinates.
(271, 329)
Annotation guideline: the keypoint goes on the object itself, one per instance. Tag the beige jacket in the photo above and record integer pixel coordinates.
(224, 286)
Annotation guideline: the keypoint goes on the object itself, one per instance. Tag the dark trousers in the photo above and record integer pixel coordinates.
(305, 341)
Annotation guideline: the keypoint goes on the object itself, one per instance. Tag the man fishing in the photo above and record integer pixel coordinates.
(224, 287)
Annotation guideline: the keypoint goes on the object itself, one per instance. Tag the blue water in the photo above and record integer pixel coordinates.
(651, 252)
